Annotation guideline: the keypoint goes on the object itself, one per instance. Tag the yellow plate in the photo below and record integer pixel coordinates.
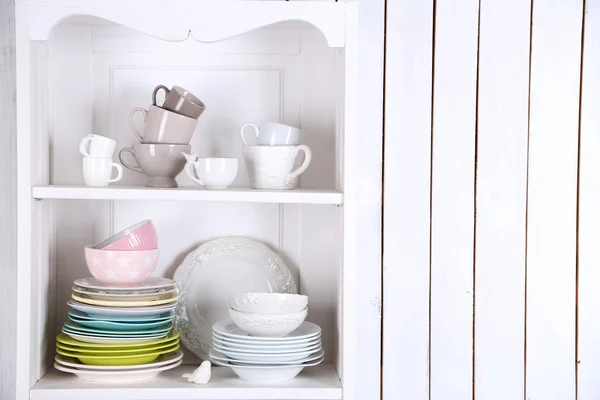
(82, 298)
(134, 350)
(69, 341)
(118, 358)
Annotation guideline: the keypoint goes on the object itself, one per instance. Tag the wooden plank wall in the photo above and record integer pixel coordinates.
(491, 221)
(8, 201)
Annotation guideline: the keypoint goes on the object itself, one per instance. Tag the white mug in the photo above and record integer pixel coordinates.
(211, 173)
(99, 146)
(273, 134)
(271, 167)
(97, 171)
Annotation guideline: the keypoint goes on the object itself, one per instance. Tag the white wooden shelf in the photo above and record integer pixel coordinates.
(320, 382)
(122, 192)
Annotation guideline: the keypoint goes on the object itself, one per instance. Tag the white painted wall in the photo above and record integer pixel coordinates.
(491, 191)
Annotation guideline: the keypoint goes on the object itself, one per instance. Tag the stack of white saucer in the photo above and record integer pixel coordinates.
(267, 340)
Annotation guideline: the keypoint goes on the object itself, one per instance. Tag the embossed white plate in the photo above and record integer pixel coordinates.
(154, 282)
(213, 271)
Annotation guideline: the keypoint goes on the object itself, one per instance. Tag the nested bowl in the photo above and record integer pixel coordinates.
(120, 267)
(268, 325)
(268, 303)
(140, 236)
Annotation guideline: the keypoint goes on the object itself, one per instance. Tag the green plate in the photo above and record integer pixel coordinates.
(117, 358)
(69, 341)
(134, 350)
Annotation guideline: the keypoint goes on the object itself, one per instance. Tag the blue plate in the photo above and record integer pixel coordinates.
(118, 326)
(165, 317)
(75, 327)
(116, 335)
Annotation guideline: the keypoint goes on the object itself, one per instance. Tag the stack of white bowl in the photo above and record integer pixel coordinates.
(267, 340)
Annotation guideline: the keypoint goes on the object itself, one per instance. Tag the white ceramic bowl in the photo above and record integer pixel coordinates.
(268, 303)
(264, 325)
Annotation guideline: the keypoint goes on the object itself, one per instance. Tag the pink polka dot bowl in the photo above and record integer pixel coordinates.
(120, 267)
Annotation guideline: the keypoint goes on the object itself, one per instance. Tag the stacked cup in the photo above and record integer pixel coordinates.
(97, 152)
(167, 134)
(272, 163)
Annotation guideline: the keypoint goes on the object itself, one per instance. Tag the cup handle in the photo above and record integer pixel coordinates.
(192, 175)
(119, 173)
(83, 145)
(135, 110)
(129, 150)
(155, 92)
(308, 157)
(256, 131)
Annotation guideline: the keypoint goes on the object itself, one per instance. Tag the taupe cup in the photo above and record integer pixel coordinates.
(163, 126)
(160, 162)
(180, 101)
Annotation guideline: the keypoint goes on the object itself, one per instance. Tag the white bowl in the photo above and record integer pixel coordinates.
(264, 325)
(268, 303)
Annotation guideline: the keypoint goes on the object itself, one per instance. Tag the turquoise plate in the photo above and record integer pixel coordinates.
(115, 335)
(75, 327)
(166, 317)
(118, 326)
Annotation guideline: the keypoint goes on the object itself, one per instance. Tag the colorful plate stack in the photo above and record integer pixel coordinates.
(119, 333)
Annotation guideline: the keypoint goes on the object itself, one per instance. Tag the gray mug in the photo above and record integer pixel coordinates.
(180, 101)
(163, 126)
(160, 162)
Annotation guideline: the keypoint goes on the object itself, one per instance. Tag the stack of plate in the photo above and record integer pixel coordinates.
(117, 362)
(266, 359)
(116, 327)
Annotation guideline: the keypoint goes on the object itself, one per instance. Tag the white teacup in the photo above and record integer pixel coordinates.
(211, 173)
(97, 146)
(271, 167)
(273, 134)
(97, 171)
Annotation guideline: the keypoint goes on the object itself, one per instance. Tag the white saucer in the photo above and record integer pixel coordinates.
(284, 346)
(117, 376)
(229, 329)
(108, 312)
(153, 282)
(268, 358)
(164, 359)
(223, 358)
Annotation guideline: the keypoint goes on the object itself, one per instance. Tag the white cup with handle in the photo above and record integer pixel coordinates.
(272, 167)
(97, 171)
(97, 146)
(272, 134)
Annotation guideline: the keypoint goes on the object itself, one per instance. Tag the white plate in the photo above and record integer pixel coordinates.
(250, 341)
(229, 329)
(163, 359)
(117, 376)
(223, 358)
(214, 270)
(268, 358)
(266, 351)
(108, 312)
(125, 296)
(267, 373)
(110, 340)
(154, 282)
(281, 346)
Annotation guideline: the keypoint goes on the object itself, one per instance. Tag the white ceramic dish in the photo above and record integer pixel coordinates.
(223, 358)
(117, 376)
(267, 374)
(268, 303)
(210, 273)
(268, 358)
(265, 325)
(265, 341)
(268, 351)
(153, 282)
(258, 347)
(228, 329)
(111, 340)
(124, 296)
(164, 359)
(166, 317)
(108, 312)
